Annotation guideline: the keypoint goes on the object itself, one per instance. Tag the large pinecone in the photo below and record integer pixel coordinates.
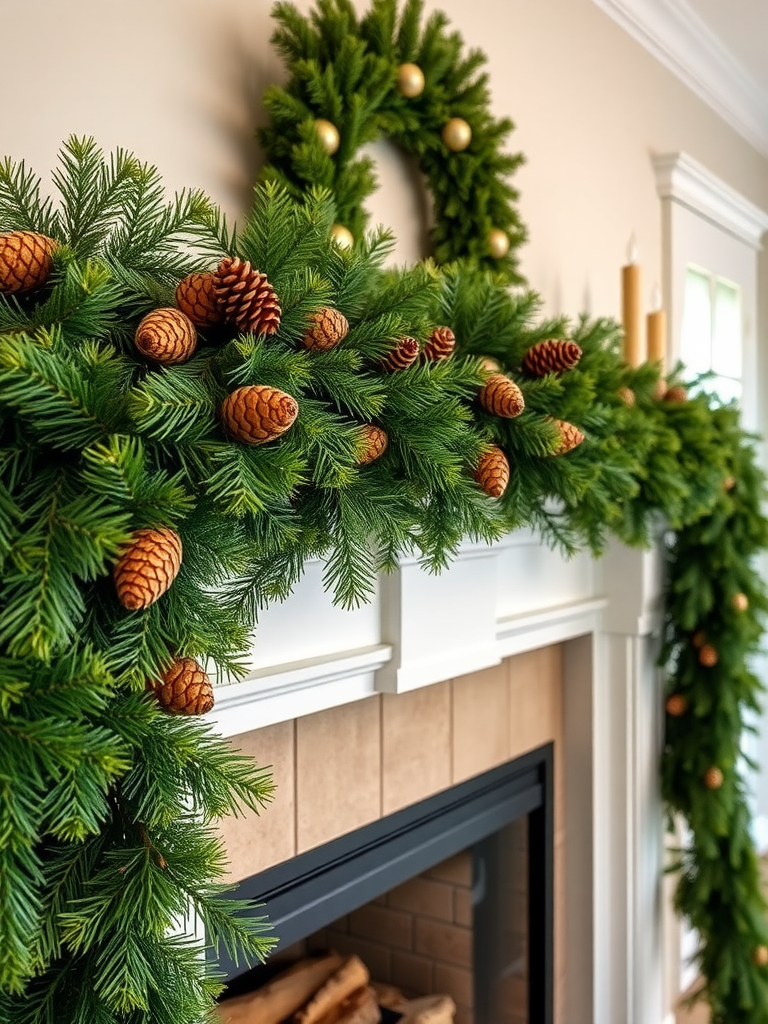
(25, 261)
(167, 336)
(501, 396)
(492, 472)
(327, 327)
(246, 298)
(439, 345)
(551, 356)
(196, 296)
(147, 568)
(404, 354)
(184, 689)
(257, 413)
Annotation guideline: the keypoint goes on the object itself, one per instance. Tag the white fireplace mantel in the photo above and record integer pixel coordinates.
(492, 602)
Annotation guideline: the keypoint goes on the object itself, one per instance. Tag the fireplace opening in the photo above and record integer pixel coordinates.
(453, 894)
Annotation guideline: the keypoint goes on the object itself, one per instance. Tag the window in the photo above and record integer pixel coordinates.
(712, 333)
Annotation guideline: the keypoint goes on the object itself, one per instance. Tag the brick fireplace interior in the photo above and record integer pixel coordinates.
(340, 770)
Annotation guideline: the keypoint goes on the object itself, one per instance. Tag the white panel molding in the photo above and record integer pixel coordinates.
(675, 35)
(681, 178)
(295, 689)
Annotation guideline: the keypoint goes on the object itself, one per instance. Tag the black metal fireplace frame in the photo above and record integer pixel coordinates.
(316, 888)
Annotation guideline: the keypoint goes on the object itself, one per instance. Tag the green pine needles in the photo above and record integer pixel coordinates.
(110, 867)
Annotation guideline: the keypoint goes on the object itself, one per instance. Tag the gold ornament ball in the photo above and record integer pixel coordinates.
(740, 602)
(713, 778)
(729, 483)
(329, 135)
(342, 236)
(708, 656)
(410, 80)
(456, 134)
(676, 705)
(760, 956)
(498, 243)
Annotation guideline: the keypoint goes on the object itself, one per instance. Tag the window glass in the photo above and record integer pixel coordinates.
(726, 334)
(696, 339)
(711, 338)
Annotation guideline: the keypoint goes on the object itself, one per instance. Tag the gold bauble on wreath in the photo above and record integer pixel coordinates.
(456, 134)
(498, 243)
(410, 81)
(328, 134)
(760, 956)
(740, 602)
(342, 236)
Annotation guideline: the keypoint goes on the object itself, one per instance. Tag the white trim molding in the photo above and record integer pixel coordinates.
(681, 178)
(681, 40)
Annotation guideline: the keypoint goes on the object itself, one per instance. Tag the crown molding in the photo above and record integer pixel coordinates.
(685, 180)
(675, 34)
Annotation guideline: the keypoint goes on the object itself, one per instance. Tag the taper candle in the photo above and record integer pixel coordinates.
(630, 307)
(656, 329)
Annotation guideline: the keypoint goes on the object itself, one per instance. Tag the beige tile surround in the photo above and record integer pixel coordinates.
(338, 770)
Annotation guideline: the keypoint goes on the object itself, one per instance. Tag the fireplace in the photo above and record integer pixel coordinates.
(493, 835)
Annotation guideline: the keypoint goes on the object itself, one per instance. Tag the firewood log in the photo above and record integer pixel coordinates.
(438, 1009)
(350, 976)
(289, 990)
(361, 1007)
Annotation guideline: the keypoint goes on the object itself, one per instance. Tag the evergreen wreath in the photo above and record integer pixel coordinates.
(353, 80)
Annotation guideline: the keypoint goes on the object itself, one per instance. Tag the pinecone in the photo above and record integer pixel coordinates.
(713, 778)
(501, 396)
(147, 568)
(184, 689)
(256, 413)
(627, 395)
(404, 354)
(677, 393)
(492, 472)
(439, 345)
(570, 436)
(708, 656)
(25, 261)
(760, 956)
(374, 441)
(677, 705)
(246, 298)
(167, 336)
(327, 327)
(729, 483)
(196, 296)
(551, 356)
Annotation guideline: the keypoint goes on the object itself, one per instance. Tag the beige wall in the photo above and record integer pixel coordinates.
(179, 82)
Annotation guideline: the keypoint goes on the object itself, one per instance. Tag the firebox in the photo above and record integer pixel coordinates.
(501, 822)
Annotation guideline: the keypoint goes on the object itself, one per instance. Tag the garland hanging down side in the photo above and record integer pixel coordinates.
(354, 80)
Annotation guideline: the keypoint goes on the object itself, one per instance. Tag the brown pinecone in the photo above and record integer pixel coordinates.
(184, 689)
(257, 413)
(713, 778)
(708, 656)
(492, 472)
(374, 441)
(760, 956)
(404, 354)
(570, 436)
(439, 345)
(551, 356)
(501, 396)
(147, 568)
(25, 261)
(677, 705)
(167, 336)
(677, 393)
(196, 296)
(327, 327)
(627, 395)
(729, 483)
(246, 298)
